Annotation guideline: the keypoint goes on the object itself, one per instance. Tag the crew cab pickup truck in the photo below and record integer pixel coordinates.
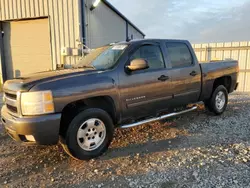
(122, 85)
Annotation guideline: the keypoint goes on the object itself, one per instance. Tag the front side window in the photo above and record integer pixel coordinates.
(179, 55)
(152, 54)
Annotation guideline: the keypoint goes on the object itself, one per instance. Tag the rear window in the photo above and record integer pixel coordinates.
(179, 55)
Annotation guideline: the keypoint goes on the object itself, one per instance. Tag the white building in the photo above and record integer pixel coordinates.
(38, 35)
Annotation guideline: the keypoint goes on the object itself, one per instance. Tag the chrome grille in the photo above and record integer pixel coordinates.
(11, 102)
(12, 108)
(11, 96)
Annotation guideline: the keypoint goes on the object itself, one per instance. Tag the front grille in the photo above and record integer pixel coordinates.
(11, 96)
(11, 102)
(12, 108)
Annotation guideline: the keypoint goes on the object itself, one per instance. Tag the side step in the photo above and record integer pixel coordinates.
(158, 118)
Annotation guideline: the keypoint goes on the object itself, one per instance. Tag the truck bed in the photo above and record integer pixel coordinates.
(213, 70)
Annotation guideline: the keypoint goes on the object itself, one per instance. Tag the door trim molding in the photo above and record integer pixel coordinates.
(148, 101)
(186, 93)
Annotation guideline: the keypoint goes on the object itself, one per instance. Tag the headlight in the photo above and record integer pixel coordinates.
(37, 103)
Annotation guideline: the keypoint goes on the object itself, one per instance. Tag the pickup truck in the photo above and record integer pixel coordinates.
(120, 85)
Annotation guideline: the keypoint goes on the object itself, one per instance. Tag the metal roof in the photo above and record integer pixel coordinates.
(122, 16)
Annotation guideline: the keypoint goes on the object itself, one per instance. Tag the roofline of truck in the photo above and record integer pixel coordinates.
(151, 40)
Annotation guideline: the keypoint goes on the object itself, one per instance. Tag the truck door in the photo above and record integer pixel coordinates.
(185, 73)
(145, 92)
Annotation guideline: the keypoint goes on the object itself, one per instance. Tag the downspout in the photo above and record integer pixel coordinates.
(82, 22)
(127, 37)
(2, 59)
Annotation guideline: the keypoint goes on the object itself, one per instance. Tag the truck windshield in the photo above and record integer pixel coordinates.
(102, 58)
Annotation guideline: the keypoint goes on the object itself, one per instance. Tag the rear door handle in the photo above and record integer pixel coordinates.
(163, 78)
(193, 73)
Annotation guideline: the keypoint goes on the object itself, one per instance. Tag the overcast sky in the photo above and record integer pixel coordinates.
(196, 20)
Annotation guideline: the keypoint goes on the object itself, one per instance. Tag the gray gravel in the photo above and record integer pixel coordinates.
(194, 150)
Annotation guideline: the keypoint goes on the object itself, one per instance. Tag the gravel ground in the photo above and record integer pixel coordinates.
(194, 150)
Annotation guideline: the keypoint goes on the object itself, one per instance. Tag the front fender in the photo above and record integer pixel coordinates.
(102, 87)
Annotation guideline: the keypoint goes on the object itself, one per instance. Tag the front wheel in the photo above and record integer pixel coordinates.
(89, 134)
(219, 100)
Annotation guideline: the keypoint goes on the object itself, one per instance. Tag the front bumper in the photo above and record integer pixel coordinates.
(44, 129)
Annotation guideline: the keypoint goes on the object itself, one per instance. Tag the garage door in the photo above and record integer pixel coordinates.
(26, 47)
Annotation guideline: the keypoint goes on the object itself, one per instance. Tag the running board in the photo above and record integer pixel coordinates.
(158, 118)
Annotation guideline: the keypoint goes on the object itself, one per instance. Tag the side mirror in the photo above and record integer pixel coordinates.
(138, 64)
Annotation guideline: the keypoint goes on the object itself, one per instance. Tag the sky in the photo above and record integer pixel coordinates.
(199, 21)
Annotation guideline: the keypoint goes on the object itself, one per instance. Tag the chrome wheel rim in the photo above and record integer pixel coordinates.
(91, 134)
(220, 100)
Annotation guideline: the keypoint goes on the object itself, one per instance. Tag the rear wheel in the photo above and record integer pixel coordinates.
(89, 134)
(219, 100)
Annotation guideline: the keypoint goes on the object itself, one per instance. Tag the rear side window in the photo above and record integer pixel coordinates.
(152, 54)
(179, 55)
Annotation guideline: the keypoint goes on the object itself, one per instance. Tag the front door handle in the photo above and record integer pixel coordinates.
(193, 73)
(163, 78)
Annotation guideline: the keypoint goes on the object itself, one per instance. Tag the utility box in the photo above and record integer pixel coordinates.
(65, 51)
(76, 52)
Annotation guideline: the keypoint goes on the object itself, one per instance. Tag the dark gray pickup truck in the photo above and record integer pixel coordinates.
(120, 85)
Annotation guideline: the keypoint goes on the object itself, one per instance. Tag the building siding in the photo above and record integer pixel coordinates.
(230, 50)
(18, 9)
(132, 31)
(63, 22)
(103, 26)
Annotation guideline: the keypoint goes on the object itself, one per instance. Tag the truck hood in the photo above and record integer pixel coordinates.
(25, 83)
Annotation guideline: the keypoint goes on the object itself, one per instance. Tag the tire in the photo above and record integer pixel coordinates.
(90, 126)
(213, 104)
